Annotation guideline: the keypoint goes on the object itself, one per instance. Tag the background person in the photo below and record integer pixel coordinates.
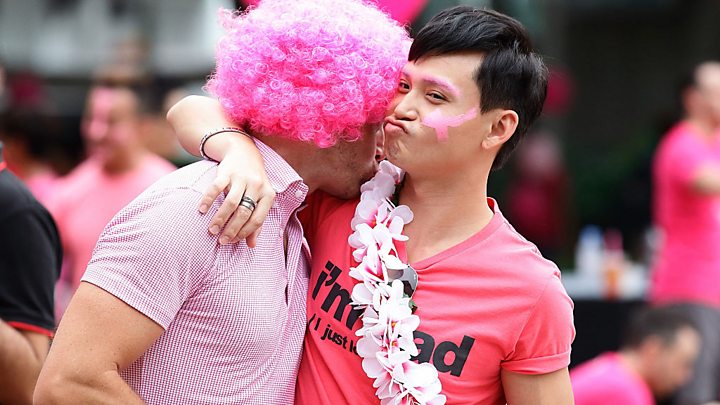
(656, 357)
(30, 256)
(117, 169)
(686, 209)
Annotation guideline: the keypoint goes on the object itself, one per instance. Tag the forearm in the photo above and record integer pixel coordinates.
(194, 116)
(20, 365)
(82, 387)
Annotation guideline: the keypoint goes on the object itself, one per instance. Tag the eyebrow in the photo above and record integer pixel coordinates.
(438, 82)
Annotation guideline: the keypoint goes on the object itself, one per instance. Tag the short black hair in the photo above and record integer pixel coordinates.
(510, 76)
(661, 322)
(35, 129)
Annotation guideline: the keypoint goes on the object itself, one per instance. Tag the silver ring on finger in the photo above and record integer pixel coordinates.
(248, 203)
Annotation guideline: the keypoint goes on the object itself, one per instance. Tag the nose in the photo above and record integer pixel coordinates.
(404, 108)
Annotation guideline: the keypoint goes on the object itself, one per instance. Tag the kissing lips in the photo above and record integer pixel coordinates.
(393, 125)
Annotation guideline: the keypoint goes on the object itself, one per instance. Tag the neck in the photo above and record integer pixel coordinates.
(297, 155)
(32, 169)
(704, 127)
(447, 210)
(632, 361)
(125, 161)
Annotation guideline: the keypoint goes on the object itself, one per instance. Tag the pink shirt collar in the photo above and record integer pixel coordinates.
(280, 173)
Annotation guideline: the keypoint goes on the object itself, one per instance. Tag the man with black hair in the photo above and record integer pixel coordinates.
(27, 143)
(495, 324)
(657, 354)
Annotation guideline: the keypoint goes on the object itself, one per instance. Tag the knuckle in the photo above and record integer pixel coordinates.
(219, 183)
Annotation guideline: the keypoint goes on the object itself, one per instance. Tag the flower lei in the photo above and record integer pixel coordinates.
(387, 344)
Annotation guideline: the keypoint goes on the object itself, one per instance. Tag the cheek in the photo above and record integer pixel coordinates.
(94, 129)
(121, 133)
(440, 122)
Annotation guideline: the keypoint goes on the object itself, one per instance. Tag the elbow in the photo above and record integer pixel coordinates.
(53, 388)
(186, 104)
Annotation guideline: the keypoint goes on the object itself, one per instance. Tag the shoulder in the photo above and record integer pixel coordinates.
(13, 193)
(87, 169)
(679, 140)
(74, 186)
(168, 204)
(195, 177)
(519, 258)
(17, 201)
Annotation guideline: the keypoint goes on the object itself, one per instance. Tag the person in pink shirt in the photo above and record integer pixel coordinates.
(489, 322)
(659, 349)
(686, 202)
(167, 315)
(118, 168)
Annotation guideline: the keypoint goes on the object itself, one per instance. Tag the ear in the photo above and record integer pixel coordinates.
(503, 127)
(651, 347)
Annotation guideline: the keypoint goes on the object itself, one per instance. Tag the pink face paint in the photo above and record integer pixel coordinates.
(441, 123)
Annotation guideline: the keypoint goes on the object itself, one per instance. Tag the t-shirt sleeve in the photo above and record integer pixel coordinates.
(155, 253)
(544, 342)
(30, 257)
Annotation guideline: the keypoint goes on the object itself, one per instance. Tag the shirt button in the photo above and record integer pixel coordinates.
(298, 193)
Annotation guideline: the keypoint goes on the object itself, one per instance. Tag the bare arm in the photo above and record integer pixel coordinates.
(21, 356)
(240, 173)
(99, 335)
(541, 389)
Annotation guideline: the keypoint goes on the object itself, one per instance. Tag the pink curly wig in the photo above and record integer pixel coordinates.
(309, 70)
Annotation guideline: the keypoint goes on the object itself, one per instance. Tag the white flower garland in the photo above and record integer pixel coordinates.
(387, 344)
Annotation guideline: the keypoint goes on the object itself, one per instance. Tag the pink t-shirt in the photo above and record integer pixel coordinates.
(489, 303)
(234, 317)
(688, 262)
(42, 186)
(84, 202)
(605, 380)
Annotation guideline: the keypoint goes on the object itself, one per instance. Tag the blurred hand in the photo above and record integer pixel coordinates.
(237, 177)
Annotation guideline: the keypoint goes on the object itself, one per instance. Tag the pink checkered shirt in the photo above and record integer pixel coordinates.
(234, 317)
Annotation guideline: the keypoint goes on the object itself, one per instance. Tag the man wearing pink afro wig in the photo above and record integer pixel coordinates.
(167, 315)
